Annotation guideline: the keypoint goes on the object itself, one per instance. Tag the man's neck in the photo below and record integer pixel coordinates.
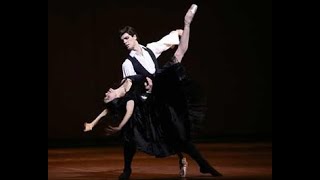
(138, 49)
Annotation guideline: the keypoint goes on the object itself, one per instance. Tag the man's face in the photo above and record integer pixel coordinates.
(128, 40)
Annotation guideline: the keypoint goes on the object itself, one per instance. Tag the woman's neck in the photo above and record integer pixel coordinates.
(124, 88)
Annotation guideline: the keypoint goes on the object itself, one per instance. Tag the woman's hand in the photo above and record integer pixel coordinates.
(87, 127)
(111, 130)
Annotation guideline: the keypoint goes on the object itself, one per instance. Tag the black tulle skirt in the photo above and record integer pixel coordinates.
(171, 114)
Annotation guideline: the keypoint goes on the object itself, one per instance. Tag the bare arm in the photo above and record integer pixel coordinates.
(129, 108)
(184, 41)
(89, 126)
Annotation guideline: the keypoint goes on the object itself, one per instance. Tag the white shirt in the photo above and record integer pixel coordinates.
(145, 59)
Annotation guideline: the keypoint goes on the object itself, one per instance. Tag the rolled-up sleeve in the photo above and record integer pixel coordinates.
(165, 43)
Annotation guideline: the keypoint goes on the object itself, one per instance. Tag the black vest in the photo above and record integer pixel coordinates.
(139, 69)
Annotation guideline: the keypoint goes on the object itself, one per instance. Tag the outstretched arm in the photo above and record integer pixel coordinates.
(129, 107)
(165, 43)
(89, 126)
(184, 41)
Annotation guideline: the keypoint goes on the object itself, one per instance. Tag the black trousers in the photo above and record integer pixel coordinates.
(129, 150)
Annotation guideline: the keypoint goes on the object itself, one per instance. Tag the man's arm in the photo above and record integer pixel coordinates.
(127, 69)
(165, 43)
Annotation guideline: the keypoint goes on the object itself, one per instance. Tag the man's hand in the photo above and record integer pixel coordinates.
(179, 31)
(148, 85)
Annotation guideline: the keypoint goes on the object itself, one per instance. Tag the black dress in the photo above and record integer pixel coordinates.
(180, 105)
(143, 129)
(160, 124)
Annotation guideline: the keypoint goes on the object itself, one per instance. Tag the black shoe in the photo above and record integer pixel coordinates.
(125, 175)
(210, 170)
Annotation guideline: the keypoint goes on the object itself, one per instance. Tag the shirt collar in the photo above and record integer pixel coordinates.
(133, 52)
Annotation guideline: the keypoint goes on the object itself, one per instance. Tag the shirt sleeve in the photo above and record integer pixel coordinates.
(127, 69)
(165, 43)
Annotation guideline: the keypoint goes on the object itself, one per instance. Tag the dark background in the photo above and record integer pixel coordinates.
(229, 55)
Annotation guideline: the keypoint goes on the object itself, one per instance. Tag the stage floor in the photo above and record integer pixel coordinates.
(236, 161)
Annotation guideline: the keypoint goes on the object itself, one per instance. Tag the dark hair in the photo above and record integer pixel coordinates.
(114, 109)
(128, 29)
(112, 106)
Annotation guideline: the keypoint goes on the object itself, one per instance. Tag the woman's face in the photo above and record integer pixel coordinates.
(110, 95)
